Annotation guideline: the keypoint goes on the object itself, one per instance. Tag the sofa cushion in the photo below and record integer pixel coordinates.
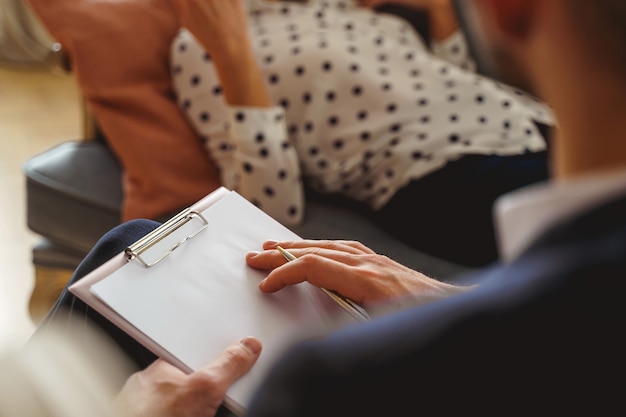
(73, 193)
(119, 53)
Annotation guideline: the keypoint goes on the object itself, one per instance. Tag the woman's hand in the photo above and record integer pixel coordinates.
(351, 269)
(161, 390)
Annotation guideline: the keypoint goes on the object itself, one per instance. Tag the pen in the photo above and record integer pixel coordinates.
(350, 306)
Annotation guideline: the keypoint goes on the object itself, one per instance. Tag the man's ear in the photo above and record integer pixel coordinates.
(512, 19)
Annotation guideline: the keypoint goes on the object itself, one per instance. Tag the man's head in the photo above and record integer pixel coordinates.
(499, 30)
(570, 53)
(604, 23)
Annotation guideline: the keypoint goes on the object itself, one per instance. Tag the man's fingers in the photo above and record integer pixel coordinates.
(320, 271)
(341, 251)
(234, 362)
(162, 389)
(348, 246)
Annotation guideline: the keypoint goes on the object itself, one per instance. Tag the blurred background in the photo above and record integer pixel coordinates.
(39, 107)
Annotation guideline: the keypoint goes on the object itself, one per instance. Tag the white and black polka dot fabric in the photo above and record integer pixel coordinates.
(362, 107)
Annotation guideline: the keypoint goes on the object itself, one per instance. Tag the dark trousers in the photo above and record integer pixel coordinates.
(449, 213)
(74, 312)
(71, 311)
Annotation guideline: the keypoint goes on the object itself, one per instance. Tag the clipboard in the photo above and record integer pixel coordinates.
(185, 292)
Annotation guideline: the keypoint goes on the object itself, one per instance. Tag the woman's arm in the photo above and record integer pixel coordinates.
(442, 17)
(221, 27)
(246, 135)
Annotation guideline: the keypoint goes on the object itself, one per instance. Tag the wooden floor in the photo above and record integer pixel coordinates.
(37, 111)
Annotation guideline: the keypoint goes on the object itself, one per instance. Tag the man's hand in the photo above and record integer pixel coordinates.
(351, 269)
(161, 390)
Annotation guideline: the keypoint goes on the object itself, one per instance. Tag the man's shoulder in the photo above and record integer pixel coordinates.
(604, 222)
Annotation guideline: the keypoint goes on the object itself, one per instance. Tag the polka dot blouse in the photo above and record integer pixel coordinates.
(362, 107)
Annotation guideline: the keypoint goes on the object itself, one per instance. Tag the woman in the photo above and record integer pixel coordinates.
(351, 102)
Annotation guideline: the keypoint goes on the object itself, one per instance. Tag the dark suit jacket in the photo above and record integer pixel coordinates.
(540, 336)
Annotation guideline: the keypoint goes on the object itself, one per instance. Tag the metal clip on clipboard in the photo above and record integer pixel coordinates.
(138, 248)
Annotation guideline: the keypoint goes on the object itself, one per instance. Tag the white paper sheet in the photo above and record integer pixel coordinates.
(203, 296)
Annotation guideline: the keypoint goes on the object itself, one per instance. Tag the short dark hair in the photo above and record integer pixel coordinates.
(603, 24)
